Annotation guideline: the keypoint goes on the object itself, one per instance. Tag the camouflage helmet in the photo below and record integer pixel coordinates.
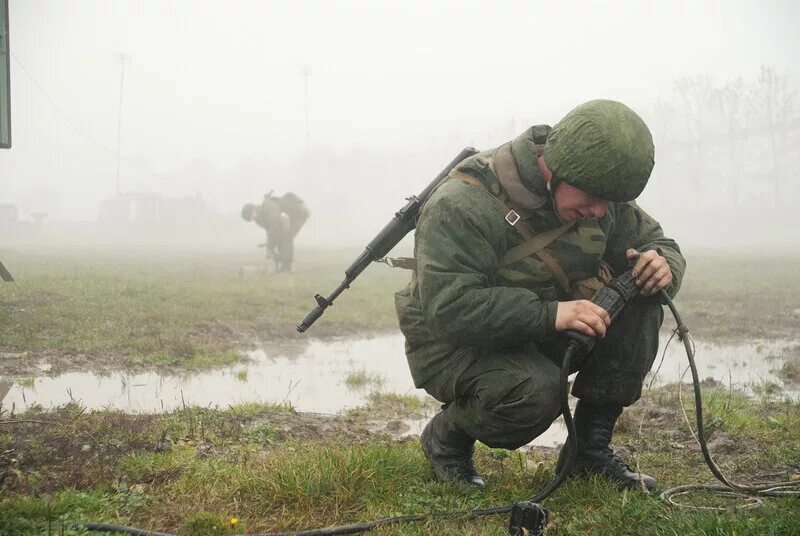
(603, 148)
(247, 211)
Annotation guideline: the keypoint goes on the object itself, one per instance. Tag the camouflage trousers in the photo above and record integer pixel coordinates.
(508, 396)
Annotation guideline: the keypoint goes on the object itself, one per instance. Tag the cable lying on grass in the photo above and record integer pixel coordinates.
(755, 493)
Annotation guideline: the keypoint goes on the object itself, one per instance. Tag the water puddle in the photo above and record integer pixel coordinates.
(312, 377)
(331, 376)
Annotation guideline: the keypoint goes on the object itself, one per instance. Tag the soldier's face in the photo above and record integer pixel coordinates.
(573, 204)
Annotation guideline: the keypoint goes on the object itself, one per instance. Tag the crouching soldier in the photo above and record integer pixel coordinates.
(509, 250)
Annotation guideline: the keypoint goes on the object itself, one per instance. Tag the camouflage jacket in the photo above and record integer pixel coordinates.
(461, 295)
(268, 216)
(292, 205)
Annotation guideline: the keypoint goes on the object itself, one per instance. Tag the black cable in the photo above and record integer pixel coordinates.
(773, 489)
(573, 350)
(108, 527)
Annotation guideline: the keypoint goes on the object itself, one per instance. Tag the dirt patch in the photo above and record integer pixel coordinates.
(42, 451)
(316, 426)
(214, 332)
(52, 362)
(46, 451)
(14, 364)
(388, 406)
(55, 362)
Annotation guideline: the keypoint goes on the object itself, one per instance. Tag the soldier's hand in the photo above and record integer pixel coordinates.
(651, 271)
(583, 316)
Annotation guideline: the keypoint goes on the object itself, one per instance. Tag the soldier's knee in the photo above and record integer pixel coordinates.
(641, 319)
(523, 413)
(648, 309)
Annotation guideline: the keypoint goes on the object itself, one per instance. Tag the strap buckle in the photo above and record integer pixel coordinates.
(512, 217)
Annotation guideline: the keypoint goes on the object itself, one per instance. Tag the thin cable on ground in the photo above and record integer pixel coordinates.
(772, 489)
(661, 362)
(650, 386)
(754, 492)
(570, 452)
(116, 529)
(683, 407)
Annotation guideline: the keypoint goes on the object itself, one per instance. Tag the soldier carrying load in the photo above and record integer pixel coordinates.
(281, 217)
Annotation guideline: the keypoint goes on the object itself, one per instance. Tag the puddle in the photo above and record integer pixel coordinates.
(745, 365)
(312, 377)
(331, 376)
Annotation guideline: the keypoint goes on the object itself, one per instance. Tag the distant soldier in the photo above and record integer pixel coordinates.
(281, 217)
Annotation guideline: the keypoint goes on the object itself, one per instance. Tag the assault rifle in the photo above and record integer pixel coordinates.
(403, 222)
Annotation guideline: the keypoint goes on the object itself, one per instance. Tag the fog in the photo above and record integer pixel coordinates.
(356, 105)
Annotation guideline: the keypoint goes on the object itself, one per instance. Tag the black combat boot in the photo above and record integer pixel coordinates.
(594, 425)
(449, 451)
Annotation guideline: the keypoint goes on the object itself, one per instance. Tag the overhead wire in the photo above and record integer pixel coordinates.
(80, 130)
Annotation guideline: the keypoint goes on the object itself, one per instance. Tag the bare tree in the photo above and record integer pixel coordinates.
(773, 108)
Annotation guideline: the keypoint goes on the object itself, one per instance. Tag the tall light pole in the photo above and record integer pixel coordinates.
(122, 60)
(306, 73)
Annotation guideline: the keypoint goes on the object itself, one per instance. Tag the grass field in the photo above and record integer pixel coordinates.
(254, 468)
(81, 310)
(89, 310)
(194, 470)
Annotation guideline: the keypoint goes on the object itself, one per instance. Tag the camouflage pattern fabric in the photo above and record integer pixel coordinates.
(268, 216)
(282, 218)
(463, 312)
(602, 147)
(507, 396)
(296, 209)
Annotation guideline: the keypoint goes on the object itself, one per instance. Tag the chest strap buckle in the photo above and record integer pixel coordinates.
(512, 217)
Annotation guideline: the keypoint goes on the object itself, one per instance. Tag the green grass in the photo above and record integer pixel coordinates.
(791, 370)
(237, 463)
(188, 311)
(741, 296)
(114, 309)
(361, 379)
(254, 410)
(26, 383)
(191, 471)
(391, 406)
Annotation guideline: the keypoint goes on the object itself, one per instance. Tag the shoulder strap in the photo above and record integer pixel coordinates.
(534, 245)
(506, 170)
(513, 219)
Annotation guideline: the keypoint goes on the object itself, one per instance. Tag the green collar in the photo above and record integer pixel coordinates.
(523, 147)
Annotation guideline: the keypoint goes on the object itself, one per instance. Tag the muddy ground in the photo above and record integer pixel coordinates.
(155, 470)
(44, 451)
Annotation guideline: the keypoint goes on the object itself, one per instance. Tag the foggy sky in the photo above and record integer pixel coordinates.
(214, 87)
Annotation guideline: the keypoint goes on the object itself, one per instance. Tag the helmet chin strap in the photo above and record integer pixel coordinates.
(551, 186)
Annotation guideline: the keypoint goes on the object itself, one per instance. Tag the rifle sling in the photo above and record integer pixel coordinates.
(6, 276)
(533, 244)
